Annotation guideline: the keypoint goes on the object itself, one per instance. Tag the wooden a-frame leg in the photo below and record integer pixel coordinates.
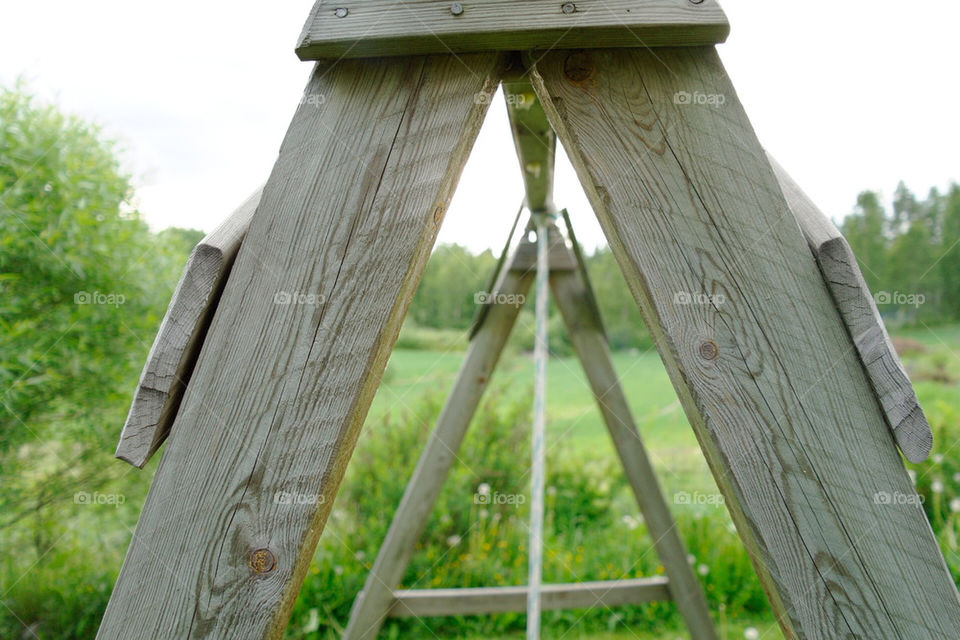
(761, 361)
(373, 603)
(297, 347)
(590, 345)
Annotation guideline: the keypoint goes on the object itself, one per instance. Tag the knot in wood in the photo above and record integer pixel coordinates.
(262, 561)
(578, 67)
(709, 350)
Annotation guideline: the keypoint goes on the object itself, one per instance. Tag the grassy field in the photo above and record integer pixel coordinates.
(575, 429)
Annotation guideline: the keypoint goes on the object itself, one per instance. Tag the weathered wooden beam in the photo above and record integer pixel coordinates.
(534, 141)
(479, 600)
(751, 338)
(590, 344)
(297, 348)
(524, 258)
(373, 603)
(850, 292)
(374, 28)
(177, 345)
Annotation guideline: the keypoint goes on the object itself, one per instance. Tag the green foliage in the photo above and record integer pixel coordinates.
(83, 285)
(911, 257)
(477, 533)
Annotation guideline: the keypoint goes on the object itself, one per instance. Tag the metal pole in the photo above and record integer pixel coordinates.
(535, 556)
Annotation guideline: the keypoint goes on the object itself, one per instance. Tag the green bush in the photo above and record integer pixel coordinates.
(472, 539)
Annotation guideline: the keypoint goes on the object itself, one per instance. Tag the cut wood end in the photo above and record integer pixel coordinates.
(914, 436)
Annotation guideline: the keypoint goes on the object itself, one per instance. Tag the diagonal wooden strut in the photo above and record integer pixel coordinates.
(379, 600)
(586, 335)
(759, 356)
(373, 603)
(282, 385)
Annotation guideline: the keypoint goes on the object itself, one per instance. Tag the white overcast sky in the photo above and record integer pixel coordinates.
(848, 95)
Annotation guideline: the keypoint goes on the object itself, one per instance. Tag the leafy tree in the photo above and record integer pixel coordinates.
(865, 230)
(949, 254)
(83, 285)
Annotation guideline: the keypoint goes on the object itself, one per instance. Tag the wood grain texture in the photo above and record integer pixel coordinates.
(177, 345)
(857, 307)
(481, 600)
(571, 297)
(534, 140)
(373, 603)
(373, 28)
(283, 382)
(753, 342)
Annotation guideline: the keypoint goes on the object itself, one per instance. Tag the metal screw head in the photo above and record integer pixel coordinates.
(456, 8)
(696, 1)
(262, 561)
(709, 350)
(569, 7)
(341, 12)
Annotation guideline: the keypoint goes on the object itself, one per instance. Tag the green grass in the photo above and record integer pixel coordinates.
(574, 424)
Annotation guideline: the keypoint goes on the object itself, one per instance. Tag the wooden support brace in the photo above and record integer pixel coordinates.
(761, 361)
(481, 600)
(375, 28)
(280, 390)
(859, 311)
(586, 335)
(372, 605)
(177, 345)
(535, 142)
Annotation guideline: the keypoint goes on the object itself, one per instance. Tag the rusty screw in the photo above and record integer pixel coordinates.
(568, 7)
(456, 8)
(708, 350)
(341, 12)
(262, 561)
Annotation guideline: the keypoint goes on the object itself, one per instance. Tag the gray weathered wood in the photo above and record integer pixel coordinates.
(862, 318)
(479, 600)
(280, 390)
(752, 340)
(373, 28)
(590, 345)
(534, 140)
(175, 349)
(373, 603)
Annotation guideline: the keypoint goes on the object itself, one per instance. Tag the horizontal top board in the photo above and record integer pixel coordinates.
(374, 28)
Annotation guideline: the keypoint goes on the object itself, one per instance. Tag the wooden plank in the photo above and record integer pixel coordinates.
(372, 604)
(850, 292)
(752, 340)
(177, 345)
(480, 600)
(590, 344)
(534, 140)
(373, 28)
(280, 390)
(524, 258)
